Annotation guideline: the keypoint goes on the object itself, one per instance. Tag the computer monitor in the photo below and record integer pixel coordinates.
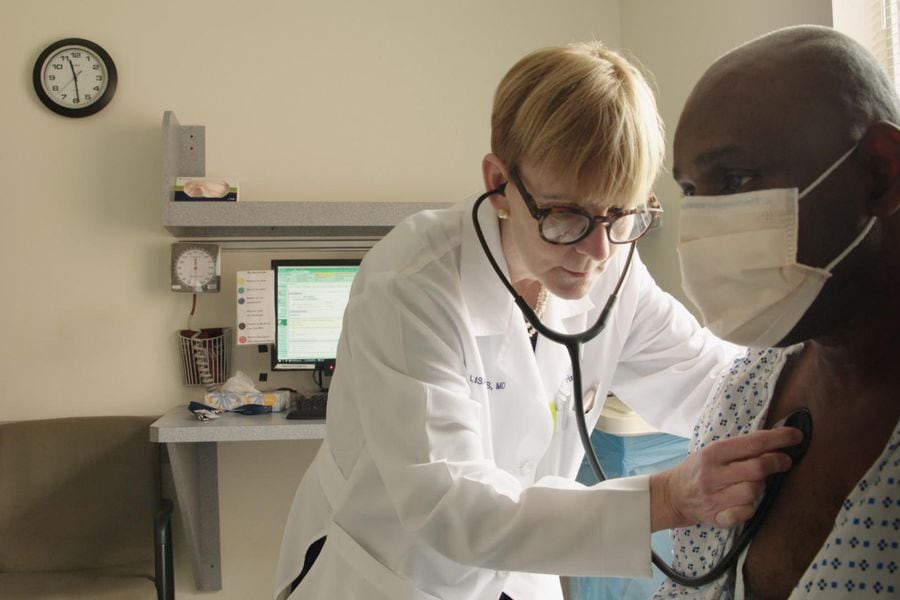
(310, 298)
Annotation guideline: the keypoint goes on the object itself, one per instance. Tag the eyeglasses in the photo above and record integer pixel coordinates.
(570, 224)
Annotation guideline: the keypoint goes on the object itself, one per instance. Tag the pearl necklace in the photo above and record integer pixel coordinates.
(539, 306)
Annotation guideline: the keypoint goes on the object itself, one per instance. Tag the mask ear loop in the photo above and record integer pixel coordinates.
(871, 222)
(827, 172)
(853, 244)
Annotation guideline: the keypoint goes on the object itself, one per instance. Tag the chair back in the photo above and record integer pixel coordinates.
(77, 493)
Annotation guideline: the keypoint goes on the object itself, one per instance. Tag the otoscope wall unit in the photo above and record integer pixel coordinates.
(184, 155)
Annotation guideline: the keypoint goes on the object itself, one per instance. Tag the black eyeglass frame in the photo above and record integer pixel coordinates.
(654, 208)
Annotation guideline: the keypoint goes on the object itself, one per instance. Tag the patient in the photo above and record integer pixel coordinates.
(806, 109)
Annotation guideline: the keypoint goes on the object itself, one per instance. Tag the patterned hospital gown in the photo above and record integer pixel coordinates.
(861, 556)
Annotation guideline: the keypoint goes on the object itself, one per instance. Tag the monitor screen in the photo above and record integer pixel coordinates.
(310, 298)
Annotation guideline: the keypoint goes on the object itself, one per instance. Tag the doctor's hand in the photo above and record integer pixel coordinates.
(720, 484)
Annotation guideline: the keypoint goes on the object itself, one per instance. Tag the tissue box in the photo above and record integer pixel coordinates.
(279, 400)
(205, 189)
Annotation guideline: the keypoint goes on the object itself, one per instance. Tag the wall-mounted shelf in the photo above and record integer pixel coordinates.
(184, 155)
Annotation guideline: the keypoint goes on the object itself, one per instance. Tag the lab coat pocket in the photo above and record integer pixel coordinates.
(391, 584)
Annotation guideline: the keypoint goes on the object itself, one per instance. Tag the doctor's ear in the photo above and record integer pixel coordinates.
(495, 177)
(879, 154)
(494, 172)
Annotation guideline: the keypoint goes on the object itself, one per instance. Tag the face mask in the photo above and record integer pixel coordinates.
(739, 266)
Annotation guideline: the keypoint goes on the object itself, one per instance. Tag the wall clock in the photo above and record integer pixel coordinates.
(196, 267)
(74, 77)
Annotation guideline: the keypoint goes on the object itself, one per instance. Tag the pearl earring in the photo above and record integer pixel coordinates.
(502, 213)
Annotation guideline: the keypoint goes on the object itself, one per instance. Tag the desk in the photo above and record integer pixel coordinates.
(192, 446)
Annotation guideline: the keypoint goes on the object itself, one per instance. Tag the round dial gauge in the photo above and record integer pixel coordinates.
(74, 77)
(195, 268)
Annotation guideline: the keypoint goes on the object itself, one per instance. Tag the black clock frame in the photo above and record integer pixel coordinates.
(100, 103)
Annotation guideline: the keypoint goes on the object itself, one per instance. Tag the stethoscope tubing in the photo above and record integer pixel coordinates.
(573, 344)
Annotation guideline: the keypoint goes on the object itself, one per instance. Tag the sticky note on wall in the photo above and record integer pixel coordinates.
(255, 307)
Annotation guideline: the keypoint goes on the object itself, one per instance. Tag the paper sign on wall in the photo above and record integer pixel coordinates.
(255, 307)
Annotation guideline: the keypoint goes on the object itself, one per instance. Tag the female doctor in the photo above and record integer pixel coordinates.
(450, 450)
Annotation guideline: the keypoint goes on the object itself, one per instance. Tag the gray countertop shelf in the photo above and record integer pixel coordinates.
(179, 425)
(184, 155)
(192, 450)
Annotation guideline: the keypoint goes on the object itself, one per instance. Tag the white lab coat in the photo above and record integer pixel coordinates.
(443, 474)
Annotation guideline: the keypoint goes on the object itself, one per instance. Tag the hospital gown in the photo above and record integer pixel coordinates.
(860, 557)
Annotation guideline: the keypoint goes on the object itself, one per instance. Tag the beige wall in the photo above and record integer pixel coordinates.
(313, 100)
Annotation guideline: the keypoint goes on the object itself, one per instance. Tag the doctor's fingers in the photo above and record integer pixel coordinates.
(734, 516)
(714, 475)
(752, 445)
(712, 503)
(735, 504)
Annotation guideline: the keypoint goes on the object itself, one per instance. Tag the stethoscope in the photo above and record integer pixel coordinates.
(573, 343)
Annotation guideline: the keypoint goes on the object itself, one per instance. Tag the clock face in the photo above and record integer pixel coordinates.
(195, 268)
(74, 77)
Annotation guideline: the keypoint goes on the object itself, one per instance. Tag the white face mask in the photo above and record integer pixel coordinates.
(739, 266)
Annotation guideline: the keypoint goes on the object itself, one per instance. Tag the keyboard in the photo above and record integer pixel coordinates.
(310, 406)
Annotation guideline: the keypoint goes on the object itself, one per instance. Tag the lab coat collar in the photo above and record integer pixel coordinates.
(489, 303)
(567, 309)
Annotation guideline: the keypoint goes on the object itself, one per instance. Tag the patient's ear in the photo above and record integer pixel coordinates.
(879, 153)
(494, 172)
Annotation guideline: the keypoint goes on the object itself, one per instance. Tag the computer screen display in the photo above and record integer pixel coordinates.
(310, 298)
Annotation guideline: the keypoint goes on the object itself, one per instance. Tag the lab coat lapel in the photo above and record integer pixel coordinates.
(565, 316)
(489, 304)
(504, 350)
(495, 318)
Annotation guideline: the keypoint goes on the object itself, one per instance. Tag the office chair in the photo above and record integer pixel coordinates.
(81, 513)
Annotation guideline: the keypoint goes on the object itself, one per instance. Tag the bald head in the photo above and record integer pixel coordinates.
(801, 91)
(804, 75)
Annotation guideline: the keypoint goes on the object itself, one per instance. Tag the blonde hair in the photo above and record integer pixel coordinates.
(584, 114)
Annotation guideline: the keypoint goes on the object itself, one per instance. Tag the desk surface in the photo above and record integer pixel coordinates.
(180, 425)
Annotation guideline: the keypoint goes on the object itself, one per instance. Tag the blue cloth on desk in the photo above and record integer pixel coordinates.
(625, 456)
(244, 409)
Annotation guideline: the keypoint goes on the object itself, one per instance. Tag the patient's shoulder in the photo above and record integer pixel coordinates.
(741, 395)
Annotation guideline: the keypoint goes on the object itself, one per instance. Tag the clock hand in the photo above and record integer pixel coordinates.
(75, 79)
(71, 81)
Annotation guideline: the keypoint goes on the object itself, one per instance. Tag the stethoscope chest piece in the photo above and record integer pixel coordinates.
(800, 419)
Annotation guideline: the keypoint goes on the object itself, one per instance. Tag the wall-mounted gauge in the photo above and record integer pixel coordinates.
(196, 267)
